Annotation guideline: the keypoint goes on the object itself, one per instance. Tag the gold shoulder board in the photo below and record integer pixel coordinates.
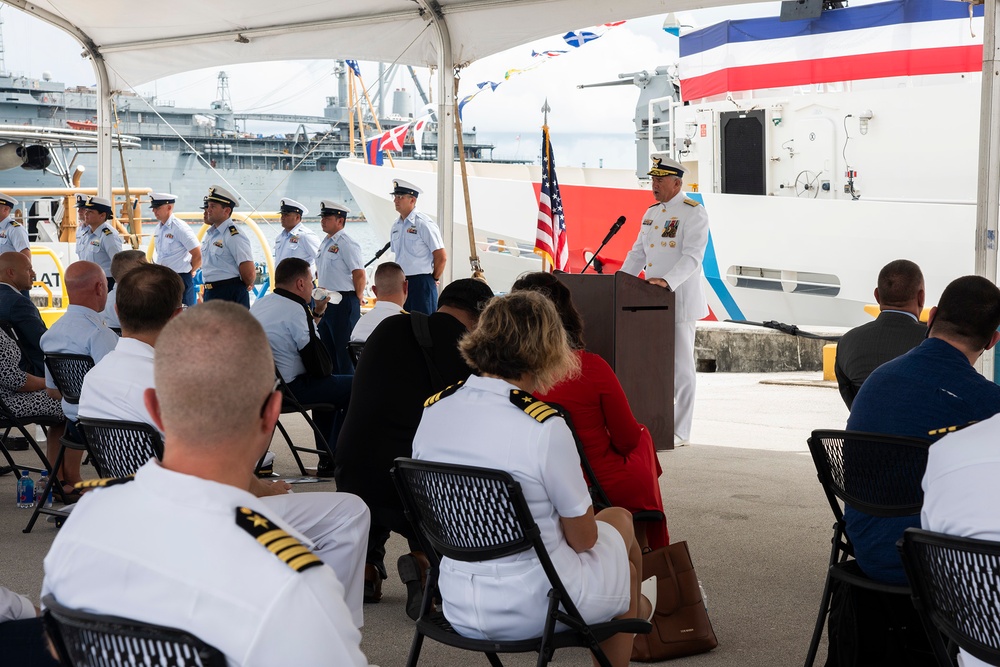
(536, 409)
(101, 483)
(444, 393)
(288, 549)
(951, 429)
(691, 202)
(15, 223)
(107, 232)
(233, 231)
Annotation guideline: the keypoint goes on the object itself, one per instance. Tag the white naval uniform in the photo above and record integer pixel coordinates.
(174, 242)
(223, 249)
(114, 387)
(300, 242)
(166, 549)
(675, 253)
(413, 242)
(98, 246)
(504, 598)
(79, 331)
(338, 257)
(336, 523)
(366, 325)
(14, 607)
(109, 314)
(13, 235)
(287, 330)
(961, 494)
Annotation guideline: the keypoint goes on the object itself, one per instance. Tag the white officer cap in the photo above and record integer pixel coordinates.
(99, 204)
(664, 166)
(219, 194)
(6, 200)
(160, 198)
(292, 206)
(401, 187)
(329, 207)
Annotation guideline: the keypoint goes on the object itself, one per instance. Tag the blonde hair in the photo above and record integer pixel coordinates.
(213, 370)
(520, 334)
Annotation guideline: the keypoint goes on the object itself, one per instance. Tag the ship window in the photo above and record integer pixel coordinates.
(777, 280)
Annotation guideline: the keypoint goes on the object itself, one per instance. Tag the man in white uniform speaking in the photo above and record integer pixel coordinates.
(670, 248)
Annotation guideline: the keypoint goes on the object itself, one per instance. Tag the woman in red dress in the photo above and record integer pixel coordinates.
(619, 449)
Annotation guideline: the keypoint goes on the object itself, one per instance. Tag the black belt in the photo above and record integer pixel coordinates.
(224, 283)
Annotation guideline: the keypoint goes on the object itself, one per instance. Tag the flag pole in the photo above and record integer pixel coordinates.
(477, 268)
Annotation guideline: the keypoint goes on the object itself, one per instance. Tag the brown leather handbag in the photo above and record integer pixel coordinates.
(680, 623)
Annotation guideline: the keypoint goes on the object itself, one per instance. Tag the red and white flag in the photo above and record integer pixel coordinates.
(392, 139)
(418, 133)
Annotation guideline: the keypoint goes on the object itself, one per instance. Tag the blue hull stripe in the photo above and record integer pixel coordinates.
(714, 276)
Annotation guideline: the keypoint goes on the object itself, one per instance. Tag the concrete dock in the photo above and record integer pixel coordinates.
(744, 495)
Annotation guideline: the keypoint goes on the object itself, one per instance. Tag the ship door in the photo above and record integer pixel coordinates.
(743, 159)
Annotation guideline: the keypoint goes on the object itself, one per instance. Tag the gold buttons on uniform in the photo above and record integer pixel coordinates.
(651, 245)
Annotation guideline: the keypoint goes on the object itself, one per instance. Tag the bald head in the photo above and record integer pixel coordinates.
(86, 285)
(213, 371)
(390, 283)
(15, 270)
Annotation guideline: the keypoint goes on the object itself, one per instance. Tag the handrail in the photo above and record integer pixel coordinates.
(41, 250)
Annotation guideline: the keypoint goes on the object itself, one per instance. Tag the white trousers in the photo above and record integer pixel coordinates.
(337, 524)
(684, 378)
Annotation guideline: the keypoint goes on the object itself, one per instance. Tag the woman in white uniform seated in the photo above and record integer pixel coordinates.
(520, 347)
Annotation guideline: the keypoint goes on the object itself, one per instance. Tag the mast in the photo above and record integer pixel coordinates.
(3, 65)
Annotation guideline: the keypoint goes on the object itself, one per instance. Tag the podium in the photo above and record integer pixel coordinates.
(630, 324)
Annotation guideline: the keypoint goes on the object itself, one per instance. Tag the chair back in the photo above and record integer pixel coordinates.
(955, 583)
(120, 448)
(68, 371)
(83, 639)
(354, 349)
(876, 474)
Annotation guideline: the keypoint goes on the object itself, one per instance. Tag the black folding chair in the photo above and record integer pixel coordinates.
(291, 405)
(476, 514)
(956, 589)
(876, 474)
(120, 448)
(83, 639)
(67, 371)
(355, 348)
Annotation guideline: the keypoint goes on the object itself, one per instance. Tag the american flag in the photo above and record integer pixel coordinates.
(550, 240)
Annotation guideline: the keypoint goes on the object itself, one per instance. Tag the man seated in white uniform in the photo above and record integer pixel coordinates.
(390, 288)
(336, 523)
(121, 264)
(185, 544)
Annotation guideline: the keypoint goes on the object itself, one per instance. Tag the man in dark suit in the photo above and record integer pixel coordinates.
(18, 310)
(897, 330)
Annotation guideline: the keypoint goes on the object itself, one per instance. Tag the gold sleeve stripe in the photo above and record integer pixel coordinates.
(287, 548)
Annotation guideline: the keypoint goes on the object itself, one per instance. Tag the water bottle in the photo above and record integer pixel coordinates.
(42, 481)
(25, 491)
(704, 595)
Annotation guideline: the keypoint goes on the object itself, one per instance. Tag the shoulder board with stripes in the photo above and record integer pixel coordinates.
(653, 205)
(107, 232)
(101, 483)
(536, 409)
(692, 202)
(951, 429)
(233, 231)
(15, 223)
(444, 393)
(288, 549)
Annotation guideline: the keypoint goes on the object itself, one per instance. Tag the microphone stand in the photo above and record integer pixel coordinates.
(607, 239)
(379, 254)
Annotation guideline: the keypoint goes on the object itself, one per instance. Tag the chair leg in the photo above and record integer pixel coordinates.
(40, 502)
(291, 446)
(824, 607)
(494, 660)
(418, 640)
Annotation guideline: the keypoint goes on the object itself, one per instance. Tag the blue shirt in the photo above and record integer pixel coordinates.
(930, 387)
(98, 246)
(79, 331)
(223, 249)
(287, 330)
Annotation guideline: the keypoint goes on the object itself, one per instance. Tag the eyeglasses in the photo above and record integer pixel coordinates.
(277, 383)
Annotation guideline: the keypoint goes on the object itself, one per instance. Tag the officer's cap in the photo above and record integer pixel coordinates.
(401, 187)
(330, 207)
(204, 202)
(99, 204)
(469, 294)
(221, 195)
(6, 200)
(664, 166)
(161, 198)
(292, 206)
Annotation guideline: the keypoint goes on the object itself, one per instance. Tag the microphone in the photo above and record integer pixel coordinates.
(614, 229)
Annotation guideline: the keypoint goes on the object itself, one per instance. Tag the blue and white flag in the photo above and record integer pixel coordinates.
(579, 37)
(353, 64)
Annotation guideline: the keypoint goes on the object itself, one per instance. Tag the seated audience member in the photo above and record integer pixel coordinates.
(80, 330)
(16, 275)
(21, 633)
(920, 394)
(24, 394)
(619, 449)
(395, 376)
(961, 494)
(300, 356)
(121, 264)
(897, 329)
(519, 348)
(389, 287)
(202, 553)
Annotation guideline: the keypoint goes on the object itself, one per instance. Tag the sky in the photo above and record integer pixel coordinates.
(32, 47)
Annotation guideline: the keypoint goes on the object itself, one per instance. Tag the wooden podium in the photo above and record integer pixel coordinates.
(630, 323)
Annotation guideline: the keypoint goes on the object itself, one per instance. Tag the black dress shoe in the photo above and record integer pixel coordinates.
(15, 444)
(5, 469)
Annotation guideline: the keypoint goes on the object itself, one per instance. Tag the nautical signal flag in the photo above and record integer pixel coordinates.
(393, 138)
(373, 151)
(551, 241)
(579, 37)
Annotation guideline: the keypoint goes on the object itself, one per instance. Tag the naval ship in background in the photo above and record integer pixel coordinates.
(184, 150)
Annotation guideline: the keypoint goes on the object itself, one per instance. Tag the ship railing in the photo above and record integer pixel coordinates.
(60, 134)
(50, 313)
